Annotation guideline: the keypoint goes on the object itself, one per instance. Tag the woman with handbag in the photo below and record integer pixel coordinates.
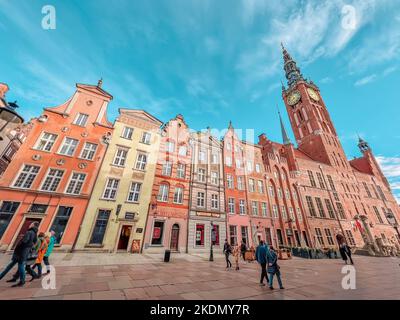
(43, 242)
(273, 268)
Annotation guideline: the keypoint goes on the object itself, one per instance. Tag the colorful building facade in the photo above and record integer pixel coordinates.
(116, 215)
(207, 215)
(167, 221)
(51, 178)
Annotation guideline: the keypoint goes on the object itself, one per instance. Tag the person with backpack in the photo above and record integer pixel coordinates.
(273, 268)
(43, 242)
(21, 254)
(227, 251)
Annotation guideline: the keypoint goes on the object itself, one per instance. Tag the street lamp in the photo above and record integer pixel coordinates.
(392, 220)
(9, 115)
(212, 242)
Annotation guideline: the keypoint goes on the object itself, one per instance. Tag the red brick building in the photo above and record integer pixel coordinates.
(328, 193)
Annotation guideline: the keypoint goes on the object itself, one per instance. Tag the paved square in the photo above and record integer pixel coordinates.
(122, 276)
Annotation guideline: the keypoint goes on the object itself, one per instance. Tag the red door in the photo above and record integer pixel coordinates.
(174, 237)
(24, 229)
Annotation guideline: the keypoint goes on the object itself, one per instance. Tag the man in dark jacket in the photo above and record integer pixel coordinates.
(21, 253)
(261, 256)
(243, 249)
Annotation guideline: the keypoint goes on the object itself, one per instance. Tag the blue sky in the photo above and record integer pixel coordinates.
(213, 61)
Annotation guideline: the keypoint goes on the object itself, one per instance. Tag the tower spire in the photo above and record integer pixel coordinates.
(285, 137)
(292, 72)
(362, 144)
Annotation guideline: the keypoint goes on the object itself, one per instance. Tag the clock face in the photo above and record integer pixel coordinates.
(313, 94)
(294, 97)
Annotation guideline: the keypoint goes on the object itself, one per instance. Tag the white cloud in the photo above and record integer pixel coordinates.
(391, 169)
(326, 80)
(365, 80)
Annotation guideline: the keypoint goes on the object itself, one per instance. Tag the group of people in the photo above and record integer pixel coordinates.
(265, 256)
(30, 252)
(236, 251)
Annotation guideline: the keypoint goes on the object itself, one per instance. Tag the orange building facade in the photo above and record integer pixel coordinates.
(50, 180)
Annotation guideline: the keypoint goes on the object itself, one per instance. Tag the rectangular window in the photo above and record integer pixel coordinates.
(170, 146)
(349, 236)
(180, 171)
(268, 236)
(68, 147)
(214, 201)
(229, 180)
(7, 211)
(310, 205)
(311, 177)
(52, 180)
(242, 207)
(260, 186)
(202, 156)
(320, 180)
(182, 150)
(26, 177)
(38, 208)
(214, 158)
(200, 199)
(240, 183)
(231, 205)
(271, 191)
(238, 163)
(258, 168)
(228, 161)
(249, 166)
(81, 119)
(201, 175)
(291, 214)
(320, 238)
(76, 183)
(111, 188)
(88, 151)
(299, 215)
(245, 236)
(158, 232)
(163, 193)
(251, 185)
(329, 206)
(134, 192)
(233, 235)
(284, 214)
(287, 193)
(340, 210)
(254, 208)
(146, 137)
(275, 210)
(329, 237)
(377, 214)
(331, 184)
(264, 210)
(100, 227)
(214, 177)
(178, 195)
(280, 196)
(199, 234)
(46, 141)
(215, 239)
(60, 222)
(320, 208)
(167, 168)
(383, 197)
(120, 157)
(141, 162)
(367, 190)
(127, 133)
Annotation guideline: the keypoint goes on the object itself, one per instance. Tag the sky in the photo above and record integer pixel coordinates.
(214, 61)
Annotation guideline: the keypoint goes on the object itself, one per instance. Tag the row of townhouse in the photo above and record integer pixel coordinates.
(141, 185)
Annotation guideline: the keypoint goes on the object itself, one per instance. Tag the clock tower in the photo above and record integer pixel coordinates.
(312, 126)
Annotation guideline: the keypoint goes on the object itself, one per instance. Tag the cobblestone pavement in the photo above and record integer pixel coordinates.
(125, 276)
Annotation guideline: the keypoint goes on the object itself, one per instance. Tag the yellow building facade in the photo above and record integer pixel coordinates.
(116, 216)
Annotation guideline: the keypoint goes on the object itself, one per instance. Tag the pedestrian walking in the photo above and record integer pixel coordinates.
(273, 268)
(243, 249)
(236, 254)
(227, 252)
(344, 249)
(43, 242)
(261, 257)
(21, 254)
(52, 241)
